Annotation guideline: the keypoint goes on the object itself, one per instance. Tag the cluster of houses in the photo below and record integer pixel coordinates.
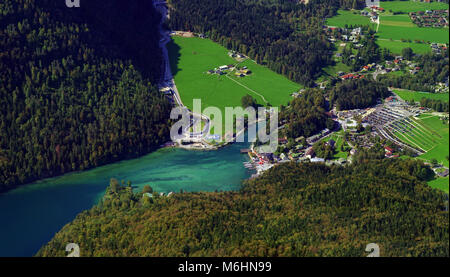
(373, 13)
(442, 87)
(350, 76)
(224, 69)
(438, 48)
(346, 35)
(221, 70)
(303, 149)
(376, 118)
(437, 18)
(397, 64)
(242, 72)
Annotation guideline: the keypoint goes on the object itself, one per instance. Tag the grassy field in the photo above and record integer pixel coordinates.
(441, 150)
(394, 28)
(275, 88)
(440, 183)
(402, 20)
(190, 60)
(427, 133)
(412, 6)
(349, 18)
(417, 96)
(396, 47)
(400, 31)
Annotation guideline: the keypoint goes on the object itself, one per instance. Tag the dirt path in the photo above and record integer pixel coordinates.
(262, 97)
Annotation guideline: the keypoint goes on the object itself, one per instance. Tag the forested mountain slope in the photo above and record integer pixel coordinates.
(292, 210)
(77, 86)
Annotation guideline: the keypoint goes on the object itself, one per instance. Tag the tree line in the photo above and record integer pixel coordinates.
(77, 91)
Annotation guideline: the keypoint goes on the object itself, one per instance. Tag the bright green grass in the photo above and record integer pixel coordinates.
(394, 28)
(191, 58)
(438, 35)
(440, 183)
(396, 47)
(417, 96)
(413, 140)
(441, 150)
(412, 6)
(349, 18)
(397, 20)
(275, 88)
(420, 135)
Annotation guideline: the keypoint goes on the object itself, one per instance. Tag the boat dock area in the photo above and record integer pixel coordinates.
(258, 162)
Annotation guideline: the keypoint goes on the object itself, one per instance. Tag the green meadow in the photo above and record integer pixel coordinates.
(441, 150)
(417, 96)
(412, 6)
(275, 88)
(190, 60)
(349, 18)
(440, 183)
(397, 20)
(402, 31)
(395, 28)
(428, 133)
(396, 47)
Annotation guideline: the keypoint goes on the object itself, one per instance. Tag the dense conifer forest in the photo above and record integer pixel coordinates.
(305, 115)
(357, 94)
(291, 210)
(77, 86)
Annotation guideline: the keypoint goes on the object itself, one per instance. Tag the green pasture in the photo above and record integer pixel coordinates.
(412, 6)
(408, 95)
(190, 60)
(396, 46)
(440, 183)
(349, 18)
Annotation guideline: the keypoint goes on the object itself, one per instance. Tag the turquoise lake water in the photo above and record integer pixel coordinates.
(30, 215)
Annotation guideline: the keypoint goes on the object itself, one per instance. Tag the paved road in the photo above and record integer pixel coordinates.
(167, 77)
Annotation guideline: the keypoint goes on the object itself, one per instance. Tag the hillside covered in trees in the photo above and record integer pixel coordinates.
(357, 94)
(291, 210)
(284, 35)
(305, 115)
(77, 86)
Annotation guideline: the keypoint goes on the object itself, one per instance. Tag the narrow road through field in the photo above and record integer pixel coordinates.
(167, 79)
(262, 97)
